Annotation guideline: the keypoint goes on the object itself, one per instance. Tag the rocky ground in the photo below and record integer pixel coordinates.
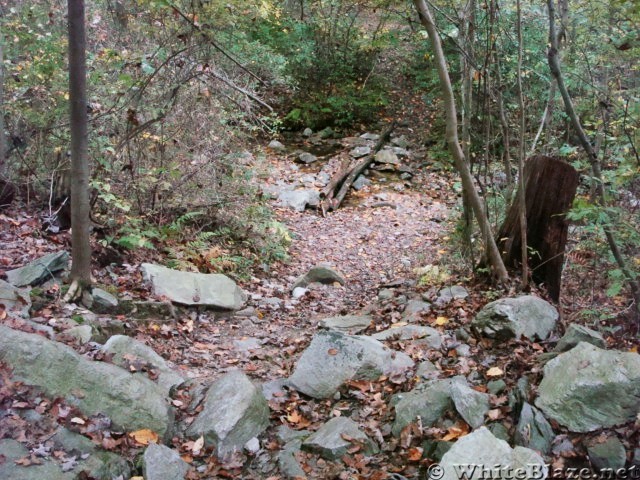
(363, 357)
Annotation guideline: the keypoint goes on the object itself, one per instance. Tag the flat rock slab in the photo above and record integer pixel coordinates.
(207, 289)
(411, 332)
(38, 271)
(15, 300)
(320, 274)
(234, 412)
(448, 294)
(333, 439)
(360, 152)
(387, 156)
(588, 388)
(130, 401)
(526, 316)
(334, 358)
(347, 323)
(163, 463)
(126, 350)
(307, 158)
(578, 333)
(473, 454)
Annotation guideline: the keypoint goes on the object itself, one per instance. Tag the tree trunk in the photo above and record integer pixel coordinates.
(80, 234)
(556, 71)
(522, 181)
(545, 220)
(461, 164)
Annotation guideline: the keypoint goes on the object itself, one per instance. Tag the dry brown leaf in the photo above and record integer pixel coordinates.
(495, 372)
(145, 436)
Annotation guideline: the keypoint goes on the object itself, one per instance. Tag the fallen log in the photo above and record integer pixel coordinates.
(339, 185)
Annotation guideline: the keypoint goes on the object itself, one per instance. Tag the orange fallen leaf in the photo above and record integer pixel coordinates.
(144, 436)
(332, 351)
(414, 454)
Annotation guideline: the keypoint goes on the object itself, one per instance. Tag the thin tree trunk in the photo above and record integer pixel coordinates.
(504, 122)
(556, 71)
(522, 214)
(459, 159)
(3, 136)
(80, 235)
(466, 56)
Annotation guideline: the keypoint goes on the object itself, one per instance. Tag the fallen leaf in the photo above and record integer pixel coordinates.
(197, 445)
(414, 454)
(495, 372)
(332, 351)
(144, 436)
(77, 421)
(441, 321)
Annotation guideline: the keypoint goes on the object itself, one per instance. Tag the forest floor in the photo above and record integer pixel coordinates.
(376, 240)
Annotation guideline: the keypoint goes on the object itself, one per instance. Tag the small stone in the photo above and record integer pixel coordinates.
(252, 446)
(361, 182)
(275, 145)
(347, 323)
(163, 463)
(576, 334)
(82, 333)
(496, 387)
(387, 157)
(386, 294)
(15, 300)
(307, 132)
(370, 136)
(360, 152)
(333, 439)
(321, 274)
(307, 158)
(326, 132)
(400, 141)
(609, 454)
(299, 292)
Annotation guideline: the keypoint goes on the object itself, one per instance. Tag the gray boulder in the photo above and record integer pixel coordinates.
(234, 412)
(588, 388)
(533, 430)
(288, 463)
(186, 288)
(400, 141)
(15, 300)
(334, 358)
(431, 400)
(609, 454)
(321, 274)
(527, 316)
(130, 401)
(38, 271)
(473, 454)
(347, 323)
(334, 438)
(163, 463)
(299, 199)
(411, 332)
(99, 301)
(124, 349)
(307, 158)
(576, 334)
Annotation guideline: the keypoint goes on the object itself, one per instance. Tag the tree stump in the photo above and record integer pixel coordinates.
(551, 185)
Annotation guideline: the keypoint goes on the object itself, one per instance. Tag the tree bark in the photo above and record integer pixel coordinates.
(344, 178)
(461, 164)
(556, 71)
(522, 200)
(546, 233)
(80, 234)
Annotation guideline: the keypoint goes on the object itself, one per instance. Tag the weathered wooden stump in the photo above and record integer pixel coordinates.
(550, 188)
